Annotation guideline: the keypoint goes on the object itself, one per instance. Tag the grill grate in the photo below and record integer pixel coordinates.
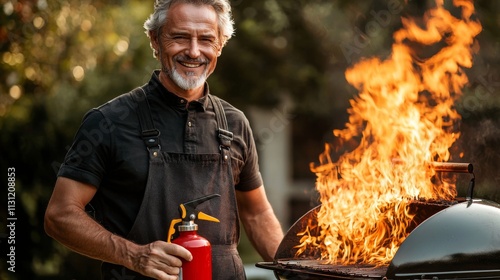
(318, 270)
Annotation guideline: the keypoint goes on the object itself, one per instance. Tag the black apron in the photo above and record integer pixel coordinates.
(177, 178)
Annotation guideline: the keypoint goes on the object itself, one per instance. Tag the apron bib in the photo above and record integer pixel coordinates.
(177, 178)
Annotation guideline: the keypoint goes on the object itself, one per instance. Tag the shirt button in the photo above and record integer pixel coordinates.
(190, 124)
(182, 101)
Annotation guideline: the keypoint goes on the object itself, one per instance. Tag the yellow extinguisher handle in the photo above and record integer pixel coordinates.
(206, 217)
(171, 229)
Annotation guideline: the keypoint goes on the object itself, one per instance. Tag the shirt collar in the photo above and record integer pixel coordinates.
(174, 100)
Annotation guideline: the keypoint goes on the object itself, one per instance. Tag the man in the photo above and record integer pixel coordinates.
(139, 156)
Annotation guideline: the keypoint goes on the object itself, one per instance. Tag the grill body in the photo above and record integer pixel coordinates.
(457, 240)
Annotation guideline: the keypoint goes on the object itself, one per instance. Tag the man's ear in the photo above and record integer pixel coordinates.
(153, 37)
(219, 50)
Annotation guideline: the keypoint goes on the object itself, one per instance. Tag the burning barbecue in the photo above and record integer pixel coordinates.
(373, 197)
(405, 120)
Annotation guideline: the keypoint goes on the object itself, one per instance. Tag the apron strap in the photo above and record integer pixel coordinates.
(149, 133)
(225, 136)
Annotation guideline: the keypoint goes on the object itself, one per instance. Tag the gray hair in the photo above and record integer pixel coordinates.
(221, 7)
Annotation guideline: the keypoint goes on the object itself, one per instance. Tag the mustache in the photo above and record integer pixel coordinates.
(186, 59)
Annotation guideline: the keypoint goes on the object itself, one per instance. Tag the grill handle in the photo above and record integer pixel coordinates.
(453, 167)
(459, 168)
(470, 191)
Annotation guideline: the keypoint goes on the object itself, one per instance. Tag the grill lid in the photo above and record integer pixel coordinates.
(459, 242)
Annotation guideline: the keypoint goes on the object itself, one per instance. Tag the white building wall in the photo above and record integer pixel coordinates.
(272, 130)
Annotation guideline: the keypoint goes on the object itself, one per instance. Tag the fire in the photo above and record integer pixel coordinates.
(404, 119)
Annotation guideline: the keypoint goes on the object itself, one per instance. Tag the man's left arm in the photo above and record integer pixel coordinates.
(261, 225)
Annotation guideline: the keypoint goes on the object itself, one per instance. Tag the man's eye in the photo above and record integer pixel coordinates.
(179, 38)
(207, 41)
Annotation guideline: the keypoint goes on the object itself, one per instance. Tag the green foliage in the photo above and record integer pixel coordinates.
(59, 59)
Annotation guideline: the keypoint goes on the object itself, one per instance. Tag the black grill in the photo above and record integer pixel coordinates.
(457, 239)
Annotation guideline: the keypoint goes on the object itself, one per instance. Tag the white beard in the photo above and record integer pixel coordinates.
(190, 82)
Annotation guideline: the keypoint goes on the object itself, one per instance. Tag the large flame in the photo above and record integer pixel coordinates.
(404, 120)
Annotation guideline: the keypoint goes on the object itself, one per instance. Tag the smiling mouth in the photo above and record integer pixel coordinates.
(191, 65)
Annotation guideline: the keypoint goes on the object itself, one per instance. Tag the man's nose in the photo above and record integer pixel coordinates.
(193, 49)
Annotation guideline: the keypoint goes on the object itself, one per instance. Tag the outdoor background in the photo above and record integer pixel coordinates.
(58, 59)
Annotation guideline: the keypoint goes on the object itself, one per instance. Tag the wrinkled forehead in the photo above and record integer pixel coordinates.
(192, 17)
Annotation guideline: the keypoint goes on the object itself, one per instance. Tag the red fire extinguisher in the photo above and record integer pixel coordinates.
(200, 267)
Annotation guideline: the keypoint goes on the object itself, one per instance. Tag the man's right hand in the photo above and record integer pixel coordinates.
(160, 260)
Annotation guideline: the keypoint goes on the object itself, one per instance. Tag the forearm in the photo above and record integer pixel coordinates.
(67, 222)
(75, 229)
(264, 232)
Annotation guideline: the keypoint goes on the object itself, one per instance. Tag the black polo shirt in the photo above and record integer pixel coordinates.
(109, 153)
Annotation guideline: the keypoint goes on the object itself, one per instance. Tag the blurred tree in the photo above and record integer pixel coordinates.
(59, 59)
